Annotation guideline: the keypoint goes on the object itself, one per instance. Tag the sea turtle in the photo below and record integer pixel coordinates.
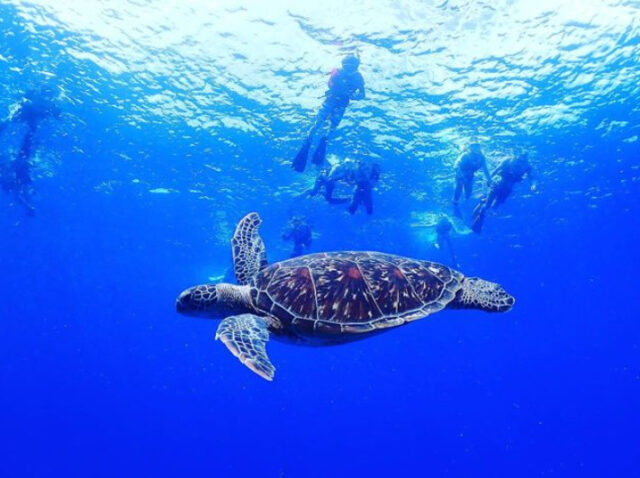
(327, 297)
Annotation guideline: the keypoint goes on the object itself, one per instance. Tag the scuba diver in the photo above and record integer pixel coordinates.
(469, 162)
(298, 230)
(509, 173)
(15, 175)
(345, 84)
(365, 176)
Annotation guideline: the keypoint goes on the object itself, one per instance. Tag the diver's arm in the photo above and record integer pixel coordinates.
(359, 94)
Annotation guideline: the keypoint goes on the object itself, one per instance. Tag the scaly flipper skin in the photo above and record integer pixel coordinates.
(246, 336)
(477, 293)
(249, 254)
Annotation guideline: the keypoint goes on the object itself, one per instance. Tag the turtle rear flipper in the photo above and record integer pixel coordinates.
(246, 337)
(249, 253)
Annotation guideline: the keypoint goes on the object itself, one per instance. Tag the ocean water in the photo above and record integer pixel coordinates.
(178, 118)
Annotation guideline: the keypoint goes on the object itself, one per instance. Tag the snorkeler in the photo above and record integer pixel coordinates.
(345, 84)
(470, 161)
(16, 175)
(298, 231)
(366, 175)
(509, 173)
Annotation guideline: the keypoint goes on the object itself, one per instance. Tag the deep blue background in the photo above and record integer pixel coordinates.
(100, 377)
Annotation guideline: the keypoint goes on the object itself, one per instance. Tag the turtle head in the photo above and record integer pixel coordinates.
(476, 293)
(213, 301)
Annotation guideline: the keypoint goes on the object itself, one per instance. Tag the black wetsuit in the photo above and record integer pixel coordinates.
(365, 177)
(17, 175)
(345, 84)
(342, 86)
(466, 167)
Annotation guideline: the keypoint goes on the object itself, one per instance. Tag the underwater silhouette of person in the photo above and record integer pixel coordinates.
(444, 228)
(468, 163)
(328, 178)
(299, 232)
(506, 176)
(15, 175)
(345, 84)
(365, 177)
(360, 174)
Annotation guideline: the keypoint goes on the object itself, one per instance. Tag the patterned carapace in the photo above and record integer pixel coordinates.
(352, 288)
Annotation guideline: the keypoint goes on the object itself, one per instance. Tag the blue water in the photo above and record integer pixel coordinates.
(180, 117)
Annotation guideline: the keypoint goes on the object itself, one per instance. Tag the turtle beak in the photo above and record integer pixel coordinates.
(181, 302)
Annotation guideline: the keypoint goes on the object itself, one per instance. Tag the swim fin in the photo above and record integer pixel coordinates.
(300, 161)
(478, 220)
(321, 151)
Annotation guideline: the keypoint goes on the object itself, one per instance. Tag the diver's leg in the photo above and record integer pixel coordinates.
(468, 187)
(26, 148)
(21, 165)
(329, 186)
(300, 161)
(317, 186)
(321, 150)
(24, 199)
(456, 196)
(480, 211)
(458, 190)
(367, 199)
(336, 118)
(355, 201)
(325, 110)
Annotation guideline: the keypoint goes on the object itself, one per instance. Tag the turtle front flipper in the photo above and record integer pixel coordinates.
(249, 253)
(246, 337)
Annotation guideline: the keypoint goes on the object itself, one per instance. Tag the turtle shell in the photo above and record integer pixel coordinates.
(352, 292)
